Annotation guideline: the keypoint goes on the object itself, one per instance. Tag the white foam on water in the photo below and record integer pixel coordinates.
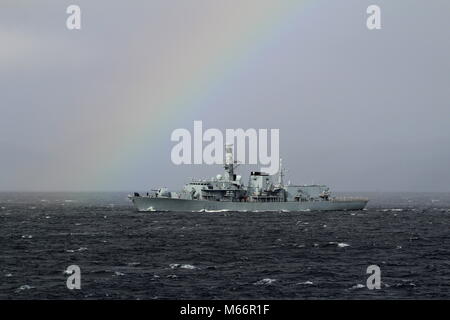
(182, 266)
(306, 283)
(27, 236)
(119, 274)
(265, 281)
(339, 244)
(222, 210)
(24, 287)
(358, 286)
(343, 245)
(77, 250)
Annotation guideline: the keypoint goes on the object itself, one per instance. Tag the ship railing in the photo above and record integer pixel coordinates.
(339, 199)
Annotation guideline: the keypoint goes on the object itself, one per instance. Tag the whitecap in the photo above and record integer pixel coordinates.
(24, 287)
(339, 244)
(77, 250)
(265, 281)
(182, 266)
(306, 283)
(8, 275)
(119, 274)
(358, 286)
(27, 236)
(343, 245)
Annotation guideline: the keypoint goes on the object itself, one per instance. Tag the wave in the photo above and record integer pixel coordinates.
(24, 287)
(77, 250)
(339, 244)
(182, 266)
(265, 281)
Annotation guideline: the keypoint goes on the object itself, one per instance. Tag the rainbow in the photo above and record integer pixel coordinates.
(180, 73)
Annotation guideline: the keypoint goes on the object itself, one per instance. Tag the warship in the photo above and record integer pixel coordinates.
(227, 192)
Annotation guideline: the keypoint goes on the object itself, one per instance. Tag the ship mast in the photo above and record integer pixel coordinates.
(229, 162)
(281, 174)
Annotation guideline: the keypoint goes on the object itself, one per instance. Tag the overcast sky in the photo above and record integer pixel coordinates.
(93, 109)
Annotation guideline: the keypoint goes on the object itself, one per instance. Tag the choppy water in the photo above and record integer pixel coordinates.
(124, 254)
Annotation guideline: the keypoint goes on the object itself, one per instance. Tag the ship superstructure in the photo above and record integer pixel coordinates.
(227, 192)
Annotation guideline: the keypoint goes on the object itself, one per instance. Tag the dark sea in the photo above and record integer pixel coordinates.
(124, 254)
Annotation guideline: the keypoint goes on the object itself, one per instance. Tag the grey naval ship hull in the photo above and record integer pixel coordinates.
(143, 203)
